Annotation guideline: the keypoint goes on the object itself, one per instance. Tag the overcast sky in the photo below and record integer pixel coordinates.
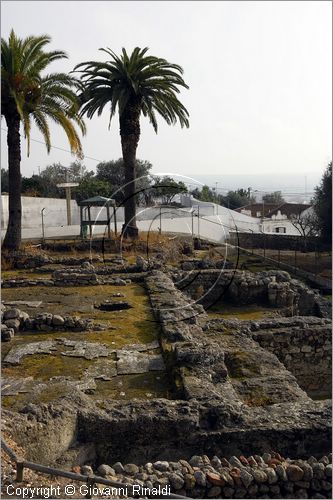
(260, 77)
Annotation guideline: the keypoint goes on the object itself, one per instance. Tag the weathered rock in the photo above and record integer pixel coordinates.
(281, 472)
(142, 347)
(118, 468)
(228, 492)
(131, 469)
(215, 479)
(308, 472)
(196, 461)
(189, 481)
(324, 460)
(87, 350)
(6, 334)
(200, 478)
(105, 470)
(11, 314)
(57, 320)
(235, 462)
(176, 481)
(216, 462)
(136, 362)
(214, 492)
(161, 465)
(294, 473)
(271, 475)
(12, 386)
(13, 324)
(104, 369)
(246, 478)
(328, 470)
(45, 347)
(259, 476)
(318, 470)
(86, 470)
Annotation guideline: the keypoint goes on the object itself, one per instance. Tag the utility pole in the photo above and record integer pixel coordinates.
(68, 185)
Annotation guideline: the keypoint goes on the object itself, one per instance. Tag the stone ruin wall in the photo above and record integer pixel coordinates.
(305, 353)
(273, 288)
(209, 415)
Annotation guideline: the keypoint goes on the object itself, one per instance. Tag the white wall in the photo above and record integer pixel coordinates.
(219, 220)
(55, 213)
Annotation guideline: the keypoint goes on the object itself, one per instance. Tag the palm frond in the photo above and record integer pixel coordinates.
(34, 96)
(140, 78)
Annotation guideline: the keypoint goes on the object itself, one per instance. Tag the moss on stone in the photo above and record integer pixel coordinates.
(241, 364)
(249, 312)
(44, 366)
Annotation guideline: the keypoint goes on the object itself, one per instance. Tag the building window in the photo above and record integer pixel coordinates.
(280, 229)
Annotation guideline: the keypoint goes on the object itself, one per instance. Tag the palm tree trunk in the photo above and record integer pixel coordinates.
(13, 236)
(130, 134)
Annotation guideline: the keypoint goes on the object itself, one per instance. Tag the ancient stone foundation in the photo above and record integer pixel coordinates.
(242, 395)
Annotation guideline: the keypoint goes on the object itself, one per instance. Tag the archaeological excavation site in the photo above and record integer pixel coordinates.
(196, 369)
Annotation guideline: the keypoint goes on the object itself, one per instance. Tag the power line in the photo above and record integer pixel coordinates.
(213, 188)
(57, 147)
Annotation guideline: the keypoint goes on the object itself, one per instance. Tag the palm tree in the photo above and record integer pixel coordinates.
(26, 95)
(133, 85)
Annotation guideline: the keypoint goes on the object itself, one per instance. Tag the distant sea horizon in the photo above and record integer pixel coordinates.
(294, 187)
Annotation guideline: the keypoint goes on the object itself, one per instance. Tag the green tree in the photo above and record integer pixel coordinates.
(133, 84)
(204, 194)
(31, 186)
(90, 187)
(236, 199)
(166, 187)
(322, 204)
(114, 172)
(57, 173)
(26, 95)
(275, 197)
(207, 194)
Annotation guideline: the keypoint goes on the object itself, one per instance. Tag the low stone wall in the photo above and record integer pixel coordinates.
(74, 277)
(70, 279)
(267, 476)
(274, 288)
(14, 320)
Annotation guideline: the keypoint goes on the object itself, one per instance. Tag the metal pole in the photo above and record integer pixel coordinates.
(160, 220)
(19, 471)
(198, 221)
(108, 215)
(115, 221)
(192, 213)
(89, 216)
(43, 231)
(68, 202)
